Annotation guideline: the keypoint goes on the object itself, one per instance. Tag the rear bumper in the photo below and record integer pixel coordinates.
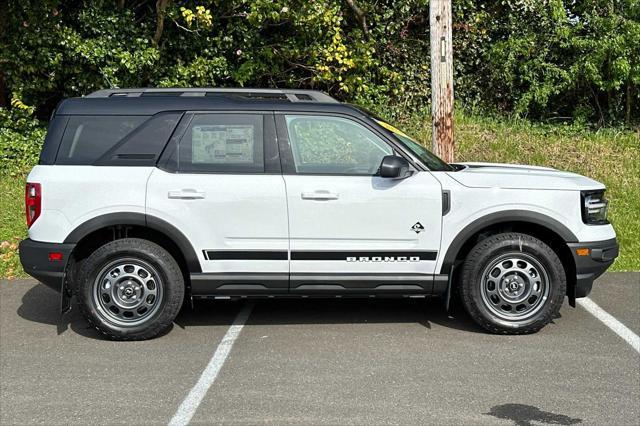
(34, 257)
(589, 267)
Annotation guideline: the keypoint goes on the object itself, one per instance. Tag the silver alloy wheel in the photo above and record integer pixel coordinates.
(514, 286)
(127, 292)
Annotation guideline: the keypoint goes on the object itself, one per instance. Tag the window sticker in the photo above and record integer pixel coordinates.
(222, 144)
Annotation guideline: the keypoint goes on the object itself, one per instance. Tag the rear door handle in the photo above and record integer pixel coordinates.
(186, 194)
(320, 194)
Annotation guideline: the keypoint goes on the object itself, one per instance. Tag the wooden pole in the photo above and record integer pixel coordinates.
(441, 79)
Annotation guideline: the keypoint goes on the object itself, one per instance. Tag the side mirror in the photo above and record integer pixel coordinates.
(394, 167)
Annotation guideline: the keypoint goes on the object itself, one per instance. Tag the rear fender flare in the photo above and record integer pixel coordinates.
(139, 219)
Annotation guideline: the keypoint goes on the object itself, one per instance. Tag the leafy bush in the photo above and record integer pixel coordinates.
(21, 138)
(544, 60)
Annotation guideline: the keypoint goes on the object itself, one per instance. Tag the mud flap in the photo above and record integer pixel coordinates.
(66, 291)
(447, 299)
(571, 294)
(65, 296)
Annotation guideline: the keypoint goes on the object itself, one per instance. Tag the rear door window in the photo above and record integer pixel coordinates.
(87, 138)
(223, 143)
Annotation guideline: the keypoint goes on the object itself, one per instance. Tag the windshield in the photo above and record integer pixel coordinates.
(429, 159)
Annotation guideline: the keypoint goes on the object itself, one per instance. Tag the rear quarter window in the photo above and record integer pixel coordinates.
(52, 140)
(143, 146)
(88, 138)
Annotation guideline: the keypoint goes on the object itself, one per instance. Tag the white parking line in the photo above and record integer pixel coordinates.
(190, 404)
(619, 328)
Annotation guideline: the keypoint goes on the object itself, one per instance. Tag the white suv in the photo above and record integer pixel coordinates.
(143, 197)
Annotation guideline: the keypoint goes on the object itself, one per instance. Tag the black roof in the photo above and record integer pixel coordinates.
(155, 104)
(153, 101)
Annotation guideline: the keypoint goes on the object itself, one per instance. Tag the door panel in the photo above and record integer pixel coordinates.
(351, 230)
(365, 232)
(237, 225)
(219, 197)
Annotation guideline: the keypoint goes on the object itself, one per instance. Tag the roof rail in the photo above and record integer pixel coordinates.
(290, 95)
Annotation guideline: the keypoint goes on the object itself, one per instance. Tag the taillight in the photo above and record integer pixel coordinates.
(32, 202)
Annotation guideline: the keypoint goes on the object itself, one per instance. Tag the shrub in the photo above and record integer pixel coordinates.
(21, 138)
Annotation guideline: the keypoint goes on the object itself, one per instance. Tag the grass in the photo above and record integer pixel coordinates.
(608, 155)
(12, 225)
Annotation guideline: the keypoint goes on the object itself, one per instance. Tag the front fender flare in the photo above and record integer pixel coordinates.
(520, 216)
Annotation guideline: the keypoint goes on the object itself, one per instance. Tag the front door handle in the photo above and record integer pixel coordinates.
(320, 194)
(186, 194)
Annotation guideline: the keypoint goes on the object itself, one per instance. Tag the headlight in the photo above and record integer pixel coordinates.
(594, 207)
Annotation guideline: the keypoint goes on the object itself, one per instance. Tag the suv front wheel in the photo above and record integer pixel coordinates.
(512, 283)
(130, 289)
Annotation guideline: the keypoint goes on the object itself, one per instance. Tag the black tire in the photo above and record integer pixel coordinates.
(501, 270)
(153, 289)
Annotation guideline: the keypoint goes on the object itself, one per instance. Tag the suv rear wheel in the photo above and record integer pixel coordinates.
(130, 289)
(512, 283)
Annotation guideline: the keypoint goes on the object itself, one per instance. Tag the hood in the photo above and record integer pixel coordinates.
(517, 176)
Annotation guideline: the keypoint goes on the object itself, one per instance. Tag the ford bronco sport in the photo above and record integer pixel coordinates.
(145, 197)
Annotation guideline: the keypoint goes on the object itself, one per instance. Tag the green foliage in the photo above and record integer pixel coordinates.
(552, 59)
(541, 59)
(21, 138)
(12, 224)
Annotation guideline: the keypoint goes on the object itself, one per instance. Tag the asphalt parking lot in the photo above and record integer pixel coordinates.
(322, 362)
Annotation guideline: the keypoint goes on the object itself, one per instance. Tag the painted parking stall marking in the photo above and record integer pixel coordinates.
(190, 404)
(607, 319)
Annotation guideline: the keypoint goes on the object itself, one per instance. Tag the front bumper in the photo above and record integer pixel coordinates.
(601, 255)
(34, 256)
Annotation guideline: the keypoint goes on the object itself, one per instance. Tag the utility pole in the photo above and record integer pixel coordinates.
(441, 78)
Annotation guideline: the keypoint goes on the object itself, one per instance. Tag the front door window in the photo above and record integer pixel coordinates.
(334, 145)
